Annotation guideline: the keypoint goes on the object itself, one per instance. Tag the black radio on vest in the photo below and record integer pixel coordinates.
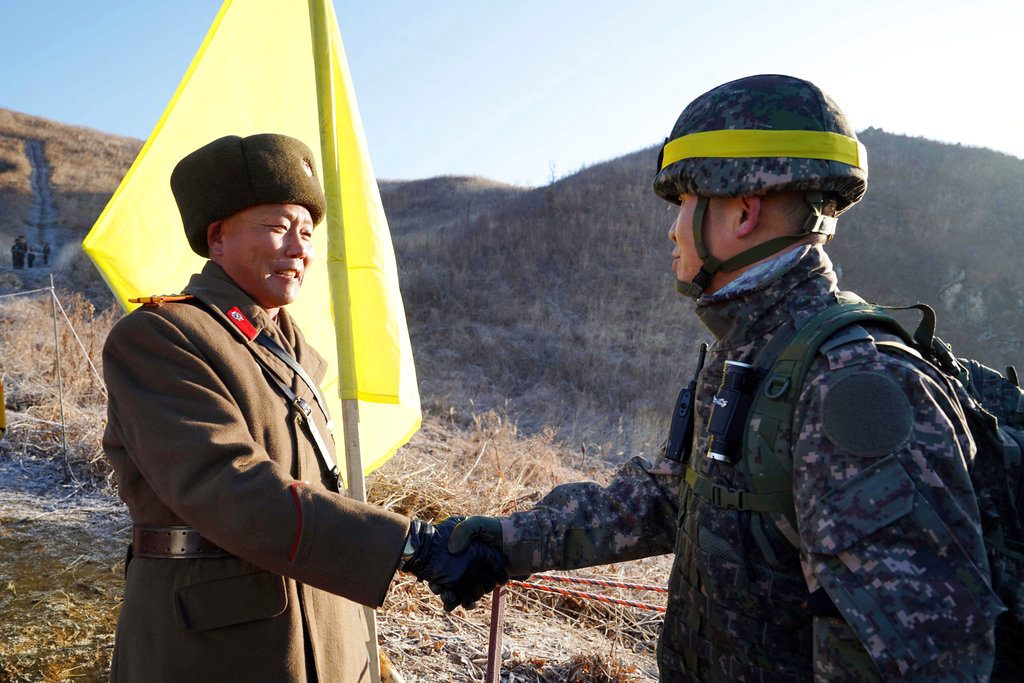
(729, 411)
(680, 435)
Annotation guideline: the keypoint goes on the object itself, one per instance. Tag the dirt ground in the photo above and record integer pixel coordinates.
(60, 574)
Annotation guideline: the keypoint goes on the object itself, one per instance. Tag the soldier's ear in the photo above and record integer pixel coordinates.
(750, 216)
(215, 238)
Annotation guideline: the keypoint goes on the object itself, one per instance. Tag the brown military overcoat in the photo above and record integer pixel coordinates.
(197, 437)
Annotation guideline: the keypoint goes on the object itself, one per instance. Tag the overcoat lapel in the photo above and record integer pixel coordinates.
(215, 290)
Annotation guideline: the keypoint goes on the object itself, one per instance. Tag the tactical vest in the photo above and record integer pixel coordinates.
(992, 404)
(736, 592)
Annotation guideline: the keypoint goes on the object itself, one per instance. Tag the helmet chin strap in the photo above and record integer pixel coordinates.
(709, 264)
(816, 222)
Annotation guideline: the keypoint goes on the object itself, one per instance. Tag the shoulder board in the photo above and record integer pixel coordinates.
(160, 299)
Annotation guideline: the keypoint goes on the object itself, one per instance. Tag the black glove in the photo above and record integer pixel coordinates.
(458, 579)
(476, 528)
(480, 528)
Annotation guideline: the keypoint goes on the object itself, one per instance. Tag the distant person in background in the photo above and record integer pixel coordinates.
(31, 257)
(3, 412)
(866, 561)
(46, 253)
(246, 562)
(18, 252)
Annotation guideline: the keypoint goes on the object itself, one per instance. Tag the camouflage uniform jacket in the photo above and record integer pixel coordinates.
(886, 576)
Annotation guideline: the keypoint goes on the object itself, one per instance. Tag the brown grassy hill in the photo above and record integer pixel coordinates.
(84, 166)
(545, 303)
(940, 224)
(87, 165)
(556, 304)
(426, 207)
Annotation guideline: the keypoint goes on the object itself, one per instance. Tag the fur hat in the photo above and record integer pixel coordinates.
(233, 173)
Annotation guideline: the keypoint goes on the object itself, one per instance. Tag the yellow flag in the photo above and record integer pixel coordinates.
(256, 73)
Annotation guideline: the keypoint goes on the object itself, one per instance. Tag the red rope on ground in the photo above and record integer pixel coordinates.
(586, 596)
(497, 607)
(599, 582)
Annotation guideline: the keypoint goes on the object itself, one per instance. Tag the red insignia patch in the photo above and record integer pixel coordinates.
(242, 323)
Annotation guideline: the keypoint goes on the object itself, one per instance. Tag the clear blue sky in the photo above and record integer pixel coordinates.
(526, 90)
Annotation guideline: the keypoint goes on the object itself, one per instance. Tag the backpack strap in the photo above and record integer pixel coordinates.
(770, 476)
(788, 359)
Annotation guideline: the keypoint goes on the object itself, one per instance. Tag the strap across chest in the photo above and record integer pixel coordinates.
(329, 474)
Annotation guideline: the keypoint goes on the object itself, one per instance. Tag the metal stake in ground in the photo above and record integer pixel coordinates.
(60, 378)
(494, 645)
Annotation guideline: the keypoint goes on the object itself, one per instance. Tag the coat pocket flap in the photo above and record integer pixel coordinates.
(874, 498)
(229, 601)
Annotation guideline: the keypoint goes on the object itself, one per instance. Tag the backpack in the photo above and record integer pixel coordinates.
(993, 407)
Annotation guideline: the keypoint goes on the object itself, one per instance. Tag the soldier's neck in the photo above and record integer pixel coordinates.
(751, 306)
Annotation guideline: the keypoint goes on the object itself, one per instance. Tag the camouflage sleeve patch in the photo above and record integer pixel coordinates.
(584, 524)
(866, 414)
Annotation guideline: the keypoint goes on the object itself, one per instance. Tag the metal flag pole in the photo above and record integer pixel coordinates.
(319, 21)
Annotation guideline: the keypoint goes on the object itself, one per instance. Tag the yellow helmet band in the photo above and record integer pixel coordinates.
(799, 144)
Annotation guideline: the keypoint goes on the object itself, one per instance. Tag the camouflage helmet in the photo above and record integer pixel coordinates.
(762, 134)
(754, 136)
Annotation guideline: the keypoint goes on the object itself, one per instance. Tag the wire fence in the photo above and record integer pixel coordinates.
(57, 306)
(71, 327)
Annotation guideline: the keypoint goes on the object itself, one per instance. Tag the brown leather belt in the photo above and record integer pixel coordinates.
(172, 542)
